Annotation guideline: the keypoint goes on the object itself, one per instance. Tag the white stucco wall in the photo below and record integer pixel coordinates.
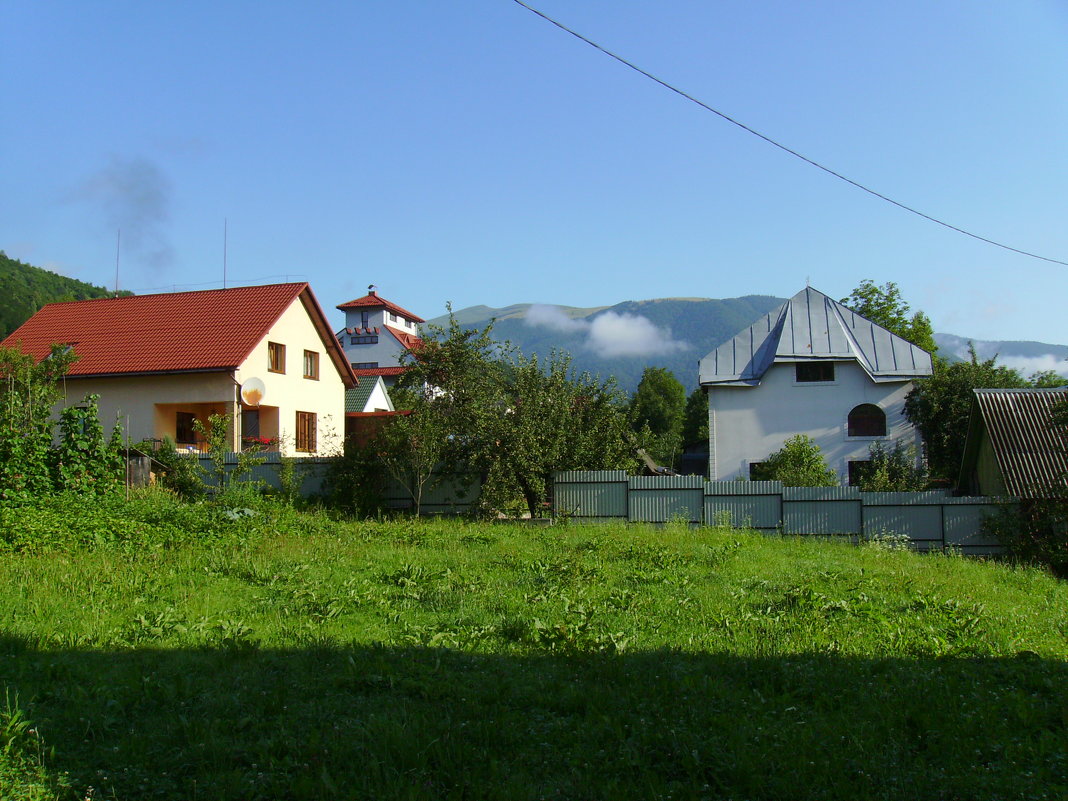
(290, 392)
(137, 399)
(379, 401)
(747, 424)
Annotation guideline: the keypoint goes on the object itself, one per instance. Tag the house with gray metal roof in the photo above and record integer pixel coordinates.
(815, 367)
(1012, 446)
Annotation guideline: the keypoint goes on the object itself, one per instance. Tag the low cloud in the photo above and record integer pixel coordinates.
(553, 317)
(610, 334)
(1029, 365)
(133, 196)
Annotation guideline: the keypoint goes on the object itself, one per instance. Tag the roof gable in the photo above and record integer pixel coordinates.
(209, 330)
(357, 398)
(809, 326)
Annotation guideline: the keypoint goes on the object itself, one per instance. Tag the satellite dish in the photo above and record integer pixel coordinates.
(253, 391)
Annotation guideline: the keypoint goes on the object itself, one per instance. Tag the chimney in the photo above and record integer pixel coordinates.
(372, 290)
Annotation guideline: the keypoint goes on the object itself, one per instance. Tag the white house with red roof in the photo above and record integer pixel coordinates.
(264, 354)
(376, 333)
(814, 367)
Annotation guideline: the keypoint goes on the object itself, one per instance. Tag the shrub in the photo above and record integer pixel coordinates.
(892, 470)
(182, 472)
(799, 463)
(1035, 531)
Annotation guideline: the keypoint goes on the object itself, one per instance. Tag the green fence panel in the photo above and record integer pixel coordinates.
(964, 524)
(591, 495)
(748, 504)
(662, 499)
(921, 523)
(309, 471)
(821, 510)
(442, 495)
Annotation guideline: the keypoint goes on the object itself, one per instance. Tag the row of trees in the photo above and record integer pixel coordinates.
(24, 289)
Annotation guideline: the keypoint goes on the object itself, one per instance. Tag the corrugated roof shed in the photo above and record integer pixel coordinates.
(812, 326)
(1031, 454)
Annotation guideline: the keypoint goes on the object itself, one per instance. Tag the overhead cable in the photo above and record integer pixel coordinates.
(779, 145)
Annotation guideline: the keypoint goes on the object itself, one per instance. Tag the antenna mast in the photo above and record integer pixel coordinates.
(118, 239)
(224, 251)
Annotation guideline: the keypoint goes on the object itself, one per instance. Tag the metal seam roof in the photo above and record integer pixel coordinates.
(810, 326)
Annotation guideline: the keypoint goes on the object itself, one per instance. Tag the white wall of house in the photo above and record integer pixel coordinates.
(747, 424)
(289, 391)
(379, 400)
(146, 404)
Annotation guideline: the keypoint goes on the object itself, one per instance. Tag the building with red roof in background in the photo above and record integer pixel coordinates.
(376, 333)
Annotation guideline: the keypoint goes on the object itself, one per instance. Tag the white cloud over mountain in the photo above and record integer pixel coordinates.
(610, 334)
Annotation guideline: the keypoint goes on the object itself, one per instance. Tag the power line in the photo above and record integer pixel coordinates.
(779, 145)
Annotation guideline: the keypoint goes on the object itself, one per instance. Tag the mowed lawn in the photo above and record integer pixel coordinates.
(158, 650)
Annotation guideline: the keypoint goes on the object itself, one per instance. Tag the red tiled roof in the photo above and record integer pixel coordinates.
(372, 371)
(376, 302)
(213, 329)
(409, 341)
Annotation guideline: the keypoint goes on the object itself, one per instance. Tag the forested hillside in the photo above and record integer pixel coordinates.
(24, 289)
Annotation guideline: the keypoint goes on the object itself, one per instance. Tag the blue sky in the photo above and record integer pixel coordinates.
(467, 151)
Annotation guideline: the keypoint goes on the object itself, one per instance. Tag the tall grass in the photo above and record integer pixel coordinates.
(172, 651)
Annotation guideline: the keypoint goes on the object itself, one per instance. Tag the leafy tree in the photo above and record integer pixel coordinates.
(892, 470)
(476, 406)
(1047, 379)
(939, 407)
(450, 392)
(884, 306)
(695, 417)
(799, 463)
(554, 420)
(659, 404)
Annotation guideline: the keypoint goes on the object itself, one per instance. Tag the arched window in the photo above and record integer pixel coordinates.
(867, 420)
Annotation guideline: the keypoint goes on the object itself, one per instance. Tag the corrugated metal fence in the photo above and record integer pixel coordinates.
(930, 520)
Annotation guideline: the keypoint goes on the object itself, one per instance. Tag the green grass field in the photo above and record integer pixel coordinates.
(155, 650)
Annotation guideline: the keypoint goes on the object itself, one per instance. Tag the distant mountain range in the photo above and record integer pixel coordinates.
(675, 333)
